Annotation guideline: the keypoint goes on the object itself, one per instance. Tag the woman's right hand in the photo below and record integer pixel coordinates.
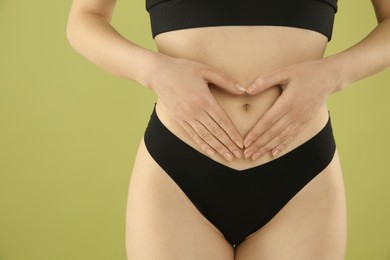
(182, 86)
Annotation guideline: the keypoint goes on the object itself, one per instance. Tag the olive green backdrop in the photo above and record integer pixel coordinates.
(69, 133)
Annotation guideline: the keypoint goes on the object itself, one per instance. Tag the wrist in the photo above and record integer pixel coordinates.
(337, 66)
(151, 64)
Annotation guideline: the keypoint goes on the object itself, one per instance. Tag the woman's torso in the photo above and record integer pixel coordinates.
(244, 53)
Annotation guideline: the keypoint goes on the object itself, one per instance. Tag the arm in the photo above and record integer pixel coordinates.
(300, 101)
(90, 33)
(369, 56)
(181, 84)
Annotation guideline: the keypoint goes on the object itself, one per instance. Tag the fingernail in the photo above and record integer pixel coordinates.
(255, 156)
(251, 88)
(248, 143)
(275, 152)
(210, 152)
(239, 87)
(228, 157)
(237, 154)
(248, 154)
(239, 144)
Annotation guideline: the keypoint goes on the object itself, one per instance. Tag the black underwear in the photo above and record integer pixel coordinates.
(238, 202)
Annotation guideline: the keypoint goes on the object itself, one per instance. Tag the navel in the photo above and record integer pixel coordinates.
(246, 107)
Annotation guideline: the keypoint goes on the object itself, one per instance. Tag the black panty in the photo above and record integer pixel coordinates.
(238, 202)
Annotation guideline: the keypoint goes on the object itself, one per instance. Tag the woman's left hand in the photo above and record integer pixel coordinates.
(305, 88)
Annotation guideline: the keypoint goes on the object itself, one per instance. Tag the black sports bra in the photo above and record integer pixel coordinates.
(169, 15)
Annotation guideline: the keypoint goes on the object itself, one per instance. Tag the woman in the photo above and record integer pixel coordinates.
(238, 160)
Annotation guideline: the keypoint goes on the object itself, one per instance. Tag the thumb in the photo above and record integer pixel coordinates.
(267, 81)
(224, 81)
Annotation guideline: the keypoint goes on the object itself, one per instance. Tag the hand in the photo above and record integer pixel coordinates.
(182, 86)
(305, 88)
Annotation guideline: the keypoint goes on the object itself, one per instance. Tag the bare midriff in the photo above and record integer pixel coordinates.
(244, 53)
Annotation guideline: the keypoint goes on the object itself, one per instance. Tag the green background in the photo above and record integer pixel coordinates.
(69, 133)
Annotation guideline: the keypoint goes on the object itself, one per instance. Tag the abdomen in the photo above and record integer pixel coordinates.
(244, 53)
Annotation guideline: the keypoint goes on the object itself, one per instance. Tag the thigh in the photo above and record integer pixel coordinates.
(311, 226)
(162, 223)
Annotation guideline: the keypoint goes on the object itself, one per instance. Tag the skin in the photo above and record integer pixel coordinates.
(299, 102)
(195, 80)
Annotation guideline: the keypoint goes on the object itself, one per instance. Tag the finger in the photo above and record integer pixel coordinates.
(202, 144)
(273, 115)
(276, 130)
(224, 122)
(277, 143)
(205, 134)
(267, 81)
(279, 148)
(220, 134)
(224, 81)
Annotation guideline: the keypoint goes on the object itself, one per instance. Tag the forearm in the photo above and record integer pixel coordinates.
(369, 56)
(93, 37)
